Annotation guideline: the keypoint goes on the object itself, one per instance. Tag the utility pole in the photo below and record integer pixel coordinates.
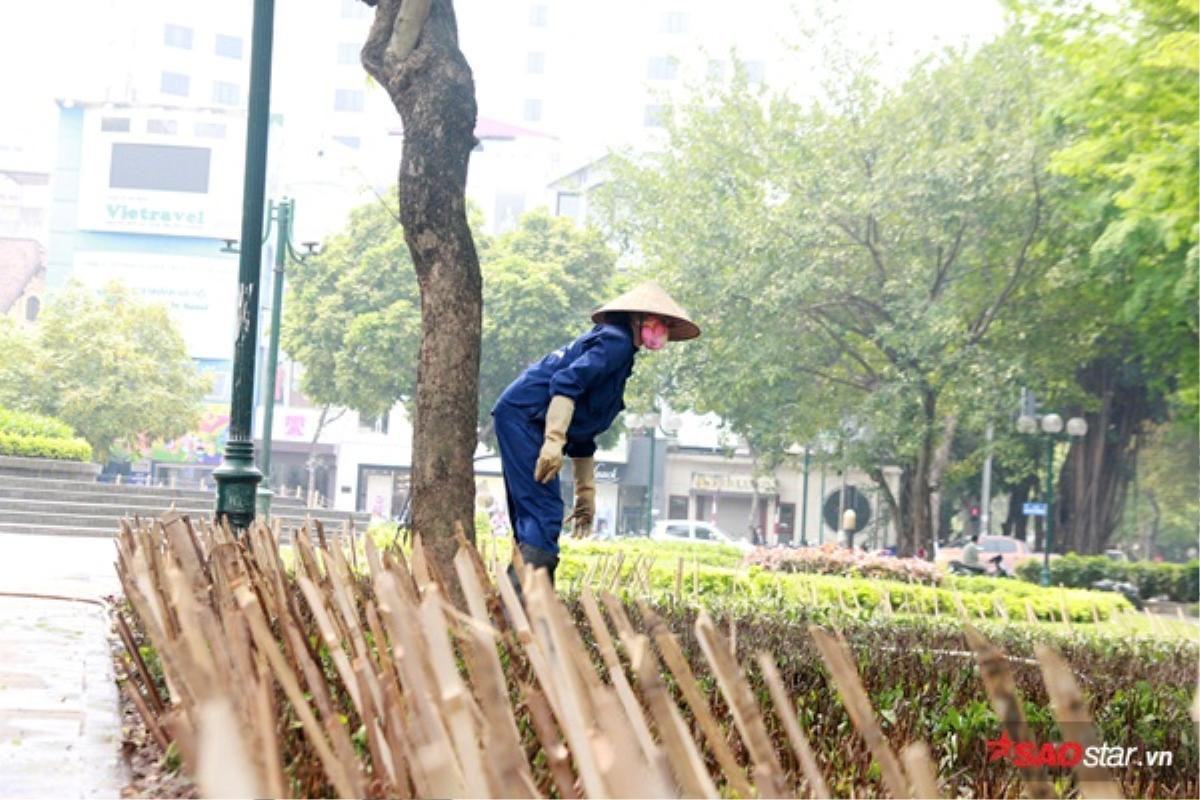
(236, 477)
(283, 212)
(985, 510)
(804, 500)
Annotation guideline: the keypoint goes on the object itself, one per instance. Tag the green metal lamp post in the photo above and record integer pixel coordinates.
(283, 213)
(236, 477)
(1051, 426)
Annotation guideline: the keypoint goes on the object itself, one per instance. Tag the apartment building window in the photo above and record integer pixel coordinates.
(539, 15)
(568, 204)
(166, 127)
(368, 424)
(347, 53)
(662, 68)
(348, 100)
(654, 116)
(535, 63)
(175, 83)
(674, 22)
(228, 46)
(209, 130)
(226, 93)
(177, 36)
(353, 9)
(115, 124)
(533, 109)
(350, 141)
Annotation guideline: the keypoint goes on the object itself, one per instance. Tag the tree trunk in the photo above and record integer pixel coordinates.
(1098, 468)
(1017, 524)
(310, 463)
(412, 50)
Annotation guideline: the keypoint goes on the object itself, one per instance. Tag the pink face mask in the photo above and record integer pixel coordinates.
(654, 333)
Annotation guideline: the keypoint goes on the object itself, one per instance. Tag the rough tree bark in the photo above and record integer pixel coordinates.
(412, 51)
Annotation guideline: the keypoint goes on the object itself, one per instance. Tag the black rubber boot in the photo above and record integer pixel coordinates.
(537, 558)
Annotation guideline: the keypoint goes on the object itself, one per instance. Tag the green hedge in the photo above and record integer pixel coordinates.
(773, 590)
(21, 423)
(1179, 582)
(12, 444)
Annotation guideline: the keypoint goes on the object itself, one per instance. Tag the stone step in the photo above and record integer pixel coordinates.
(135, 498)
(115, 511)
(108, 531)
(11, 482)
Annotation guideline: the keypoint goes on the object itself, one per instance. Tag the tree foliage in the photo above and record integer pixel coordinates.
(851, 258)
(352, 315)
(113, 368)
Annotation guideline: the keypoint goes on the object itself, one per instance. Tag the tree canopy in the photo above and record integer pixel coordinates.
(352, 314)
(110, 366)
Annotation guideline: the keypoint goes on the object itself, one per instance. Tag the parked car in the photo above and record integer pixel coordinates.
(1013, 552)
(690, 530)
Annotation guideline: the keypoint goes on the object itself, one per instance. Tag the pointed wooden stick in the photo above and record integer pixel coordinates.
(1075, 722)
(858, 706)
(791, 724)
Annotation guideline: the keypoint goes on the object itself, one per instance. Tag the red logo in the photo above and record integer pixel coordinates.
(1030, 754)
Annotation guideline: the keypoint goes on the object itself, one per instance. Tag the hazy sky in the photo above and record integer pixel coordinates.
(40, 43)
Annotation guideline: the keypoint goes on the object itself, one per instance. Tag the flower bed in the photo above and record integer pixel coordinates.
(831, 560)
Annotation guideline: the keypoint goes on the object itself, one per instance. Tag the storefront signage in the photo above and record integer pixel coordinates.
(608, 473)
(735, 483)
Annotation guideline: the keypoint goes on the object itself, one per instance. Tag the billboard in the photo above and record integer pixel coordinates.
(172, 172)
(200, 293)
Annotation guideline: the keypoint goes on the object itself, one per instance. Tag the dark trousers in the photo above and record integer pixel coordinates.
(536, 509)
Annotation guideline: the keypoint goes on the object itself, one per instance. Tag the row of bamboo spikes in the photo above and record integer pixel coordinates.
(232, 628)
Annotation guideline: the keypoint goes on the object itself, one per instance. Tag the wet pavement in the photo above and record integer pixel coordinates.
(60, 723)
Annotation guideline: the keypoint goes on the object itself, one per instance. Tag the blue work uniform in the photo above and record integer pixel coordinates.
(592, 371)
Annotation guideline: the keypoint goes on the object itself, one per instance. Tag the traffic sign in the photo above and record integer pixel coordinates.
(1034, 509)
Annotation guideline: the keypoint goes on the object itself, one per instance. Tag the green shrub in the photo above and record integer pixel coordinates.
(21, 423)
(44, 447)
(1178, 582)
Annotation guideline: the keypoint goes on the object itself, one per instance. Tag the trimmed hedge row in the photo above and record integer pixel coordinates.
(22, 423)
(773, 590)
(1179, 582)
(44, 447)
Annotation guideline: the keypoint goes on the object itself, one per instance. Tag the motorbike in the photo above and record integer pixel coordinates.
(996, 570)
(1124, 587)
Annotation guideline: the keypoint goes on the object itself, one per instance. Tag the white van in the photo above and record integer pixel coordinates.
(690, 530)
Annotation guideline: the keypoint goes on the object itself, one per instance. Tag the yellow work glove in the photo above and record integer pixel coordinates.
(585, 496)
(558, 419)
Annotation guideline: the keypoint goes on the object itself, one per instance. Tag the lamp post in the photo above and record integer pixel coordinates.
(804, 500)
(650, 424)
(1051, 426)
(236, 477)
(282, 216)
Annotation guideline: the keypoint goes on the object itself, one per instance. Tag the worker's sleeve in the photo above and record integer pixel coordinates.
(600, 359)
(580, 449)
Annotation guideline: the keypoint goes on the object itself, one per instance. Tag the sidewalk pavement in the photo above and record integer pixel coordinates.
(60, 722)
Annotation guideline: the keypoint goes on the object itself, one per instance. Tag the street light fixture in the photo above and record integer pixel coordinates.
(1050, 425)
(282, 215)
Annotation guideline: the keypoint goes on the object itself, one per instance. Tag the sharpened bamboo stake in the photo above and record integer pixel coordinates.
(791, 725)
(1001, 689)
(1075, 722)
(746, 716)
(854, 697)
(672, 654)
(918, 763)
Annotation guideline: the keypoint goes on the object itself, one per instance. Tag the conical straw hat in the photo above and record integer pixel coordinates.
(650, 298)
